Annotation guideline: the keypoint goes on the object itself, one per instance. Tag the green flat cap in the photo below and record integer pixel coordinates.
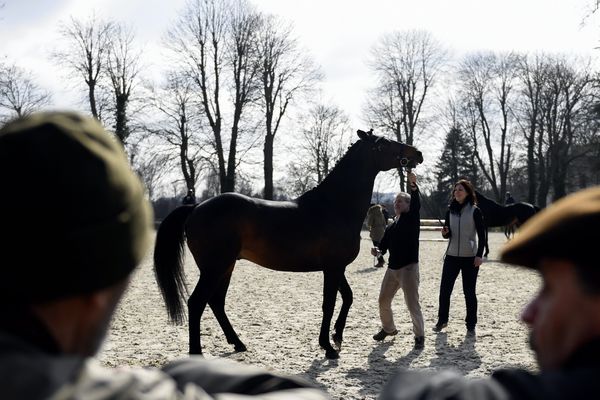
(568, 229)
(73, 215)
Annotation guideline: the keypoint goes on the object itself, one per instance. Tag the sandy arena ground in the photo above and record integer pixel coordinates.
(278, 315)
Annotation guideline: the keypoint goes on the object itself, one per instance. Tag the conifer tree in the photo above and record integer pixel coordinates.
(456, 162)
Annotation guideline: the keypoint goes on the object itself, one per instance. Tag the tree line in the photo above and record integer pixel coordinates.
(235, 76)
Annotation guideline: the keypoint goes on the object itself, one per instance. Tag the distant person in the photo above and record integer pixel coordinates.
(401, 238)
(564, 317)
(508, 199)
(376, 223)
(463, 222)
(66, 264)
(190, 197)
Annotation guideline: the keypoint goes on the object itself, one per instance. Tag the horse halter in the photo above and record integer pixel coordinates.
(404, 161)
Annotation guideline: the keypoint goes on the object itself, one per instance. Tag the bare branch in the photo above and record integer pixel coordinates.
(19, 94)
(87, 45)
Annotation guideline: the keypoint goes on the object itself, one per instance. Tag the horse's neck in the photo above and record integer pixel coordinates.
(486, 201)
(348, 189)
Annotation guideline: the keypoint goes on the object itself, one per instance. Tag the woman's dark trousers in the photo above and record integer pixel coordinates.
(452, 266)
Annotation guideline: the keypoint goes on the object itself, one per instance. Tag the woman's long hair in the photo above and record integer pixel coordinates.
(471, 198)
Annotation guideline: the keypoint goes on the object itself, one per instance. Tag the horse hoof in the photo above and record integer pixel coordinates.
(332, 354)
(337, 342)
(241, 347)
(195, 352)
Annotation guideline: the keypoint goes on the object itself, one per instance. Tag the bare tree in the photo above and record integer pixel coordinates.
(487, 82)
(177, 125)
(150, 166)
(556, 116)
(212, 184)
(286, 73)
(532, 74)
(122, 66)
(407, 66)
(566, 99)
(19, 94)
(322, 144)
(216, 41)
(87, 43)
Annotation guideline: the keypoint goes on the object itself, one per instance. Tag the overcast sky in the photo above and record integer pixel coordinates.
(338, 33)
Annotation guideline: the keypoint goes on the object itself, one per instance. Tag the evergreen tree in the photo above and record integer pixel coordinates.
(456, 162)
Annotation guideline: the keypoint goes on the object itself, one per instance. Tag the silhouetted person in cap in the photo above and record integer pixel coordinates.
(66, 263)
(561, 242)
(190, 197)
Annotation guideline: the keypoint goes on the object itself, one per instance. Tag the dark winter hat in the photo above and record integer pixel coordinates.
(73, 216)
(567, 229)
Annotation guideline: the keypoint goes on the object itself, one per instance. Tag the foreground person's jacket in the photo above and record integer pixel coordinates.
(31, 368)
(578, 379)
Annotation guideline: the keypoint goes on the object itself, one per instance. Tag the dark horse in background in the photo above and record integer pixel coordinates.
(495, 214)
(300, 236)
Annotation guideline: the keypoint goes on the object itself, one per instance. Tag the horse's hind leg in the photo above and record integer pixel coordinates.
(196, 305)
(217, 304)
(340, 323)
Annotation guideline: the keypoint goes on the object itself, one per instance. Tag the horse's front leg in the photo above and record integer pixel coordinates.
(332, 279)
(340, 323)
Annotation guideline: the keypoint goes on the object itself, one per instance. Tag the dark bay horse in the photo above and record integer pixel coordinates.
(299, 236)
(511, 215)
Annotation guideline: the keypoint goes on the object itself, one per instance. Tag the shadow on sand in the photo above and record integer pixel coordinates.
(380, 368)
(463, 357)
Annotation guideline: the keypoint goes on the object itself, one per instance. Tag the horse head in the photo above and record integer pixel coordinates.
(390, 154)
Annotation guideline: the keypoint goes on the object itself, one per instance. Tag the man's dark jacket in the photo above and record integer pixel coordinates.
(401, 238)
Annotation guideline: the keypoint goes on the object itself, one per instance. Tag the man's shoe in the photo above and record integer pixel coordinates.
(419, 342)
(438, 327)
(380, 264)
(379, 336)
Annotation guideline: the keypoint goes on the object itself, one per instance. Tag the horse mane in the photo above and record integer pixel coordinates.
(340, 164)
(334, 172)
(485, 198)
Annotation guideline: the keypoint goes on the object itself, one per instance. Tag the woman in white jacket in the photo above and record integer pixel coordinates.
(463, 221)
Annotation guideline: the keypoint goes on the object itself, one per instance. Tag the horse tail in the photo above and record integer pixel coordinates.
(168, 261)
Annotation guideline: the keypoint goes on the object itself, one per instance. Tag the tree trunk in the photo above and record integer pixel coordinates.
(544, 186)
(531, 173)
(229, 182)
(121, 129)
(268, 167)
(92, 98)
